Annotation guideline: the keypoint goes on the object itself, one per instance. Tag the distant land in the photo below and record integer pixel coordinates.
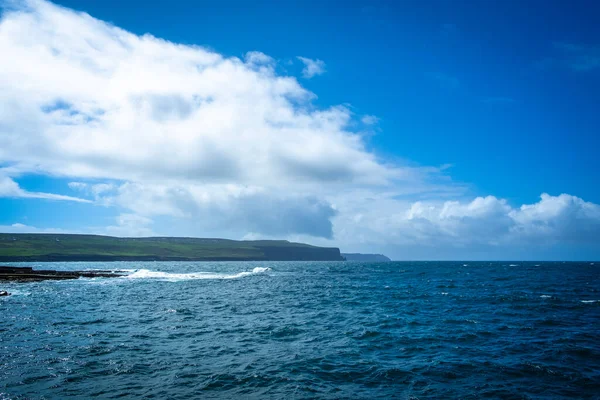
(365, 257)
(66, 247)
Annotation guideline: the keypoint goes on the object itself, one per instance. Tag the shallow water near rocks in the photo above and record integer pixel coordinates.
(305, 330)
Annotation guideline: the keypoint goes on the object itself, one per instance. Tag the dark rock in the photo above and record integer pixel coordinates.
(28, 274)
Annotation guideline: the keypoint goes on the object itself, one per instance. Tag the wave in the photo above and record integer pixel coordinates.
(14, 293)
(590, 301)
(148, 274)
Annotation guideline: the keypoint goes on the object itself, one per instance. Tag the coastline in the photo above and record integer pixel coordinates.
(28, 274)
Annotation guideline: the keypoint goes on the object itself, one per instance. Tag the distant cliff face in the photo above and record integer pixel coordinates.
(61, 247)
(365, 257)
(296, 253)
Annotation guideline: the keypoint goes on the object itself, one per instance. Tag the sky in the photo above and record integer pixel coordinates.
(461, 130)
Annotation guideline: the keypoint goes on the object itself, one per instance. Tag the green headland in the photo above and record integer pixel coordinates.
(67, 247)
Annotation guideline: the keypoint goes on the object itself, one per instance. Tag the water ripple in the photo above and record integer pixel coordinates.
(305, 330)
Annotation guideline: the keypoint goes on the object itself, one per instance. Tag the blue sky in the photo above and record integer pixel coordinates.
(411, 112)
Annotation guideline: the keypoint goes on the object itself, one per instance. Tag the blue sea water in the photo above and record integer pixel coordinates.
(299, 330)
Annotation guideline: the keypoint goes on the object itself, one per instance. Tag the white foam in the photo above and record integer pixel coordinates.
(545, 296)
(148, 274)
(590, 301)
(513, 265)
(15, 293)
(259, 270)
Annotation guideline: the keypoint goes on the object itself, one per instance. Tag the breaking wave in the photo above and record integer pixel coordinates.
(148, 274)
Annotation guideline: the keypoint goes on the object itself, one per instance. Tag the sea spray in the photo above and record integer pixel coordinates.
(168, 276)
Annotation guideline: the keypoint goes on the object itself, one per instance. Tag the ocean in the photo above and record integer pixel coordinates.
(304, 330)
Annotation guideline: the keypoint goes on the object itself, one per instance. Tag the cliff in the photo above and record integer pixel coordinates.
(61, 247)
(365, 257)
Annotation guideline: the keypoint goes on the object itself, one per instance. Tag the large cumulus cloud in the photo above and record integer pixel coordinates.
(83, 98)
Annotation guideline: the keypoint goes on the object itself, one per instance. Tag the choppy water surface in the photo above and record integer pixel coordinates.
(306, 330)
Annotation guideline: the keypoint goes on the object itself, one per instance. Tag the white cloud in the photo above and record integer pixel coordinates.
(369, 120)
(564, 217)
(78, 185)
(258, 58)
(484, 223)
(131, 225)
(10, 188)
(110, 104)
(22, 228)
(126, 225)
(96, 190)
(312, 67)
(211, 207)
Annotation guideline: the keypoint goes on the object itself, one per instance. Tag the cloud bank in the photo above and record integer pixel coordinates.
(485, 221)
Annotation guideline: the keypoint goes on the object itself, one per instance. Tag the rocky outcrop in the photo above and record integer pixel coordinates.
(28, 274)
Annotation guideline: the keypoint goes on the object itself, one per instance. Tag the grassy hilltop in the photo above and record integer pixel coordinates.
(61, 247)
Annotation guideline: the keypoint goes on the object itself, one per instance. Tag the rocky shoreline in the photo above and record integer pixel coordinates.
(28, 274)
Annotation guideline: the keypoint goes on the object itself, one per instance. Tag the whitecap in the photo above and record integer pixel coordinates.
(148, 274)
(15, 293)
(545, 296)
(513, 265)
(590, 301)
